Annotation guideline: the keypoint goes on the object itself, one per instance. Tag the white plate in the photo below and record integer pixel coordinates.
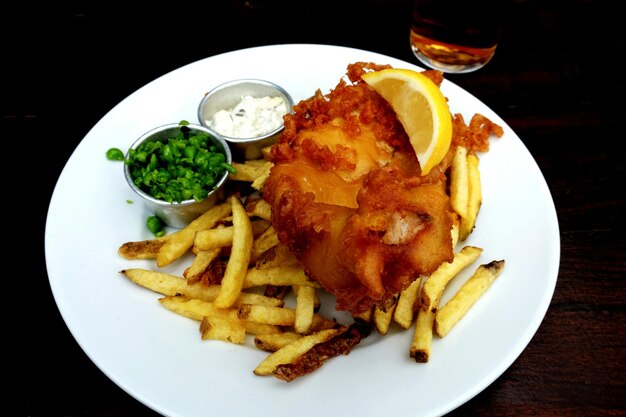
(158, 357)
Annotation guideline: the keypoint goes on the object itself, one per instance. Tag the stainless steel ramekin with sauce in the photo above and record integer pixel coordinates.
(247, 113)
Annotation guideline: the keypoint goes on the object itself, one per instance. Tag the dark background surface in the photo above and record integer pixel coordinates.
(557, 79)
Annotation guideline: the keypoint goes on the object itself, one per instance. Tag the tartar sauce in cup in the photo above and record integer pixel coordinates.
(251, 117)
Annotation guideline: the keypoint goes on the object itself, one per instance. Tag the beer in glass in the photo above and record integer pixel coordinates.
(456, 36)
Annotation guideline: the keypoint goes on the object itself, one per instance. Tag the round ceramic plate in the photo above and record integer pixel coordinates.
(159, 358)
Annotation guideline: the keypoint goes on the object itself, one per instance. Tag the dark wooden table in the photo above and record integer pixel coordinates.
(557, 80)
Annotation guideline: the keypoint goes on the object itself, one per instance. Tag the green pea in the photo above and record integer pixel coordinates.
(228, 167)
(115, 154)
(155, 226)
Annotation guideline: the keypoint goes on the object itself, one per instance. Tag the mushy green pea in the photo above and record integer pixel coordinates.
(187, 166)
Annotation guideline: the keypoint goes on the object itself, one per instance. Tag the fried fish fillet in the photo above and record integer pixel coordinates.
(348, 199)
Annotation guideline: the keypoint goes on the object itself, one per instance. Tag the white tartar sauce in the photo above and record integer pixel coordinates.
(252, 117)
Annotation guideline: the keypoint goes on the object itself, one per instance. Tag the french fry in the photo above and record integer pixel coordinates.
(144, 249)
(437, 281)
(277, 291)
(321, 323)
(422, 336)
(194, 309)
(263, 210)
(263, 175)
(383, 317)
(159, 282)
(167, 284)
(249, 171)
(219, 328)
(305, 308)
(430, 296)
(245, 172)
(278, 255)
(279, 316)
(278, 275)
(256, 162)
(264, 242)
(342, 343)
(180, 242)
(258, 299)
(404, 313)
(449, 315)
(219, 237)
(292, 351)
(474, 197)
(198, 309)
(364, 316)
(237, 266)
(259, 208)
(266, 152)
(276, 316)
(274, 341)
(200, 263)
(459, 181)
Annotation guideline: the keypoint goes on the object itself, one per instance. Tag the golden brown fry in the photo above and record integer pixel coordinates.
(422, 336)
(237, 266)
(273, 342)
(219, 328)
(264, 242)
(256, 162)
(279, 316)
(269, 315)
(266, 152)
(181, 241)
(321, 323)
(278, 255)
(279, 275)
(164, 283)
(474, 197)
(220, 237)
(406, 306)
(277, 291)
(364, 316)
(384, 314)
(342, 343)
(437, 281)
(449, 315)
(200, 263)
(459, 181)
(249, 171)
(263, 175)
(252, 298)
(292, 351)
(259, 208)
(144, 249)
(193, 308)
(168, 284)
(215, 238)
(197, 309)
(245, 172)
(305, 308)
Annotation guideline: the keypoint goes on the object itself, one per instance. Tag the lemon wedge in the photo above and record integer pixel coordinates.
(420, 107)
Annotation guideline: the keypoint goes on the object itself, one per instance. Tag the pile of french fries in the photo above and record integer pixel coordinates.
(239, 278)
